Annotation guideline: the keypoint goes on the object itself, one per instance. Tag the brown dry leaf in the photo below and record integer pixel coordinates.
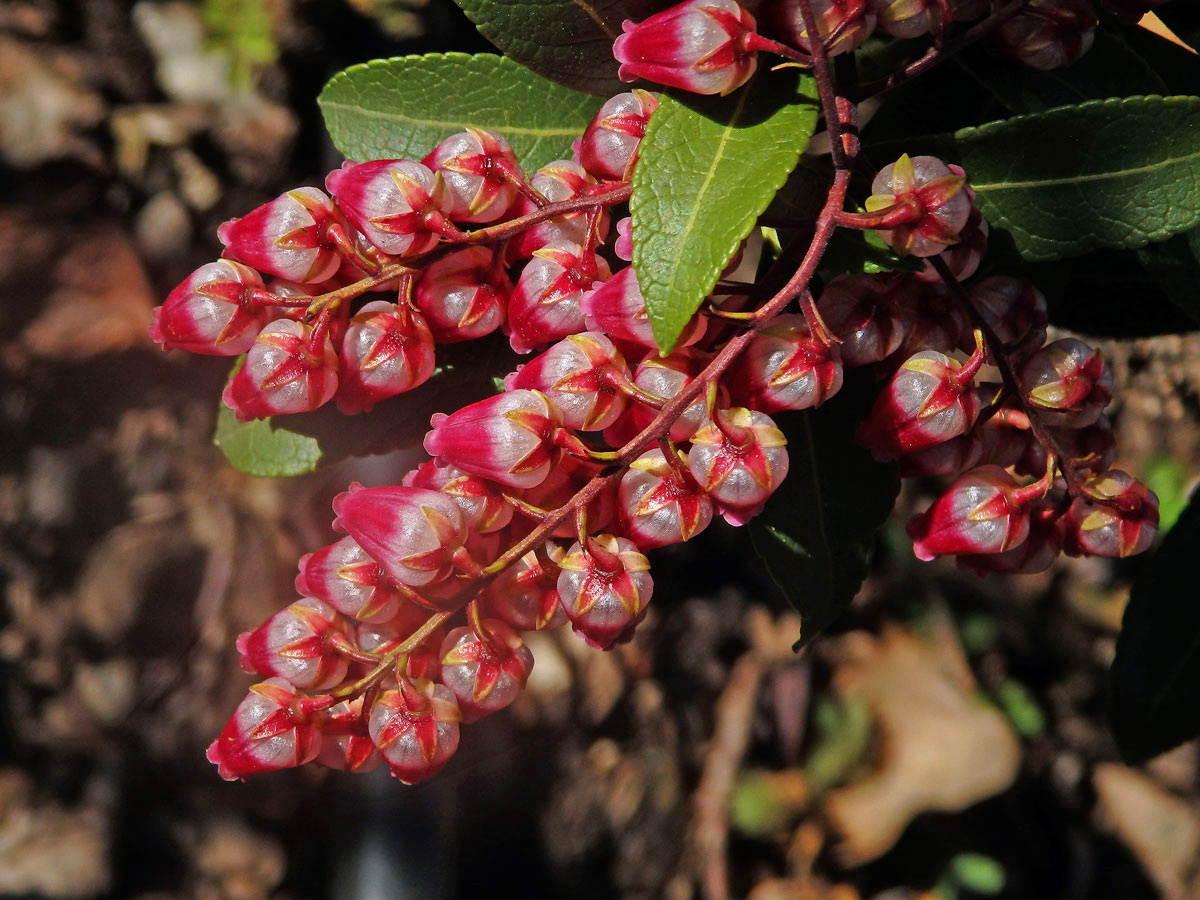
(45, 104)
(102, 302)
(48, 850)
(1161, 830)
(235, 863)
(941, 748)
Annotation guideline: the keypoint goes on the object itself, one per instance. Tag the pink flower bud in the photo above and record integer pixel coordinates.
(291, 368)
(485, 671)
(935, 319)
(623, 245)
(660, 503)
(526, 593)
(665, 377)
(929, 400)
(867, 313)
(480, 171)
(557, 181)
(464, 295)
(218, 310)
(399, 205)
(286, 237)
(739, 458)
(345, 577)
(1036, 553)
(484, 509)
(346, 744)
(617, 308)
(949, 458)
(605, 589)
(963, 258)
(508, 438)
(294, 644)
(785, 367)
(609, 148)
(565, 480)
(1014, 309)
(1049, 34)
(267, 732)
(701, 46)
(412, 533)
(415, 727)
(582, 376)
(545, 307)
(926, 205)
(984, 511)
(424, 661)
(1123, 524)
(907, 19)
(386, 351)
(852, 21)
(1068, 382)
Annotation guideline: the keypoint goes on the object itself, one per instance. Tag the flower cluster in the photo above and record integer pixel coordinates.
(356, 671)
(538, 504)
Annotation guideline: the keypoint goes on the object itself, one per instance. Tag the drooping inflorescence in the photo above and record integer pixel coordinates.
(538, 504)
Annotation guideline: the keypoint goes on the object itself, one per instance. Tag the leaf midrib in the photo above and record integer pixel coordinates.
(1087, 179)
(712, 170)
(368, 113)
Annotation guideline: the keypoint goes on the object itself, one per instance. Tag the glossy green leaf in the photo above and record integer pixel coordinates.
(568, 41)
(1155, 678)
(403, 107)
(817, 533)
(708, 168)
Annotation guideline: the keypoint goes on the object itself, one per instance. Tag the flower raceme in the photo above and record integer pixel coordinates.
(539, 503)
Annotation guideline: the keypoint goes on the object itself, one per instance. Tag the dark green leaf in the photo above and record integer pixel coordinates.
(568, 41)
(708, 168)
(1117, 173)
(403, 107)
(817, 533)
(1154, 698)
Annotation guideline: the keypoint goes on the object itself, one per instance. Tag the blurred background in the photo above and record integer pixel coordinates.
(945, 740)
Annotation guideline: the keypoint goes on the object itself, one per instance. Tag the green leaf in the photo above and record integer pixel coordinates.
(1168, 477)
(568, 41)
(816, 535)
(708, 167)
(263, 448)
(403, 107)
(1117, 173)
(1154, 697)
